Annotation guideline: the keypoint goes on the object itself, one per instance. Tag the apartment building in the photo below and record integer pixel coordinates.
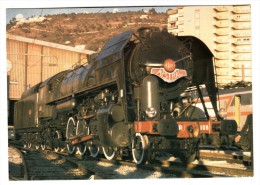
(227, 32)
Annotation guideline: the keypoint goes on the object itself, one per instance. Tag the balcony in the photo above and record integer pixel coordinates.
(222, 15)
(241, 33)
(242, 41)
(242, 26)
(222, 55)
(242, 49)
(222, 23)
(222, 47)
(222, 8)
(241, 17)
(241, 9)
(243, 57)
(222, 39)
(222, 31)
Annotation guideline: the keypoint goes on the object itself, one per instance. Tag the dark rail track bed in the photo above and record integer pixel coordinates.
(43, 165)
(17, 166)
(28, 164)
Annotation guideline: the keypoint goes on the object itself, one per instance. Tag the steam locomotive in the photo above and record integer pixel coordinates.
(129, 102)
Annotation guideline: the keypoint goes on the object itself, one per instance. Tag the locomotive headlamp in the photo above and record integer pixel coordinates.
(222, 113)
(169, 65)
(151, 112)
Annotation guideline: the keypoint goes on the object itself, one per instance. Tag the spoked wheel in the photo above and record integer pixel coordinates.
(56, 139)
(29, 145)
(43, 147)
(37, 147)
(82, 129)
(81, 148)
(140, 147)
(38, 140)
(93, 149)
(108, 152)
(70, 131)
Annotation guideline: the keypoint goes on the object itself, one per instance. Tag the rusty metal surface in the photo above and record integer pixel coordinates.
(145, 127)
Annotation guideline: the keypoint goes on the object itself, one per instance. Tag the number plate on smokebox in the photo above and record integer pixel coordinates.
(169, 77)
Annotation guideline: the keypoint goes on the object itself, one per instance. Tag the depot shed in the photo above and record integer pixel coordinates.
(30, 61)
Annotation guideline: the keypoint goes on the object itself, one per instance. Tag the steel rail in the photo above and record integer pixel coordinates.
(238, 159)
(25, 169)
(214, 170)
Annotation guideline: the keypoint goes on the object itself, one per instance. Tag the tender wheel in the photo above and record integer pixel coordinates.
(108, 152)
(93, 149)
(140, 147)
(81, 129)
(70, 131)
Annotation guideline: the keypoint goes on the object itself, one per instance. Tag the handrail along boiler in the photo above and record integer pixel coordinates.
(128, 102)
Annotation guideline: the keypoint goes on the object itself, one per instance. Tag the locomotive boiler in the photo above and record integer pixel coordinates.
(129, 102)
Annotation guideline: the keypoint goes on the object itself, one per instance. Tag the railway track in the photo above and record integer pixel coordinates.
(202, 169)
(177, 169)
(17, 166)
(230, 157)
(220, 164)
(45, 165)
(210, 165)
(174, 172)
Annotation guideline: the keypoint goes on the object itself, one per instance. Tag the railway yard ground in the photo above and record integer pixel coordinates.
(31, 164)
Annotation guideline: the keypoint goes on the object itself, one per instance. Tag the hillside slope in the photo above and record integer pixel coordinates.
(90, 30)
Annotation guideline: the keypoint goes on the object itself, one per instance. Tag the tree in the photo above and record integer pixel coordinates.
(152, 11)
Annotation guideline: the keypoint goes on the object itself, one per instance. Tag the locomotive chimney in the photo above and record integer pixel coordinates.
(145, 32)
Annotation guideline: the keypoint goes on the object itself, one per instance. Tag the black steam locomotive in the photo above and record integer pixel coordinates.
(129, 102)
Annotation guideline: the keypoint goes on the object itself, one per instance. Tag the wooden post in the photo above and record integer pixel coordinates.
(41, 63)
(237, 110)
(26, 67)
(243, 72)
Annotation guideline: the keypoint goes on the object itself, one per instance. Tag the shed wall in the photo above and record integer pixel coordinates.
(33, 63)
